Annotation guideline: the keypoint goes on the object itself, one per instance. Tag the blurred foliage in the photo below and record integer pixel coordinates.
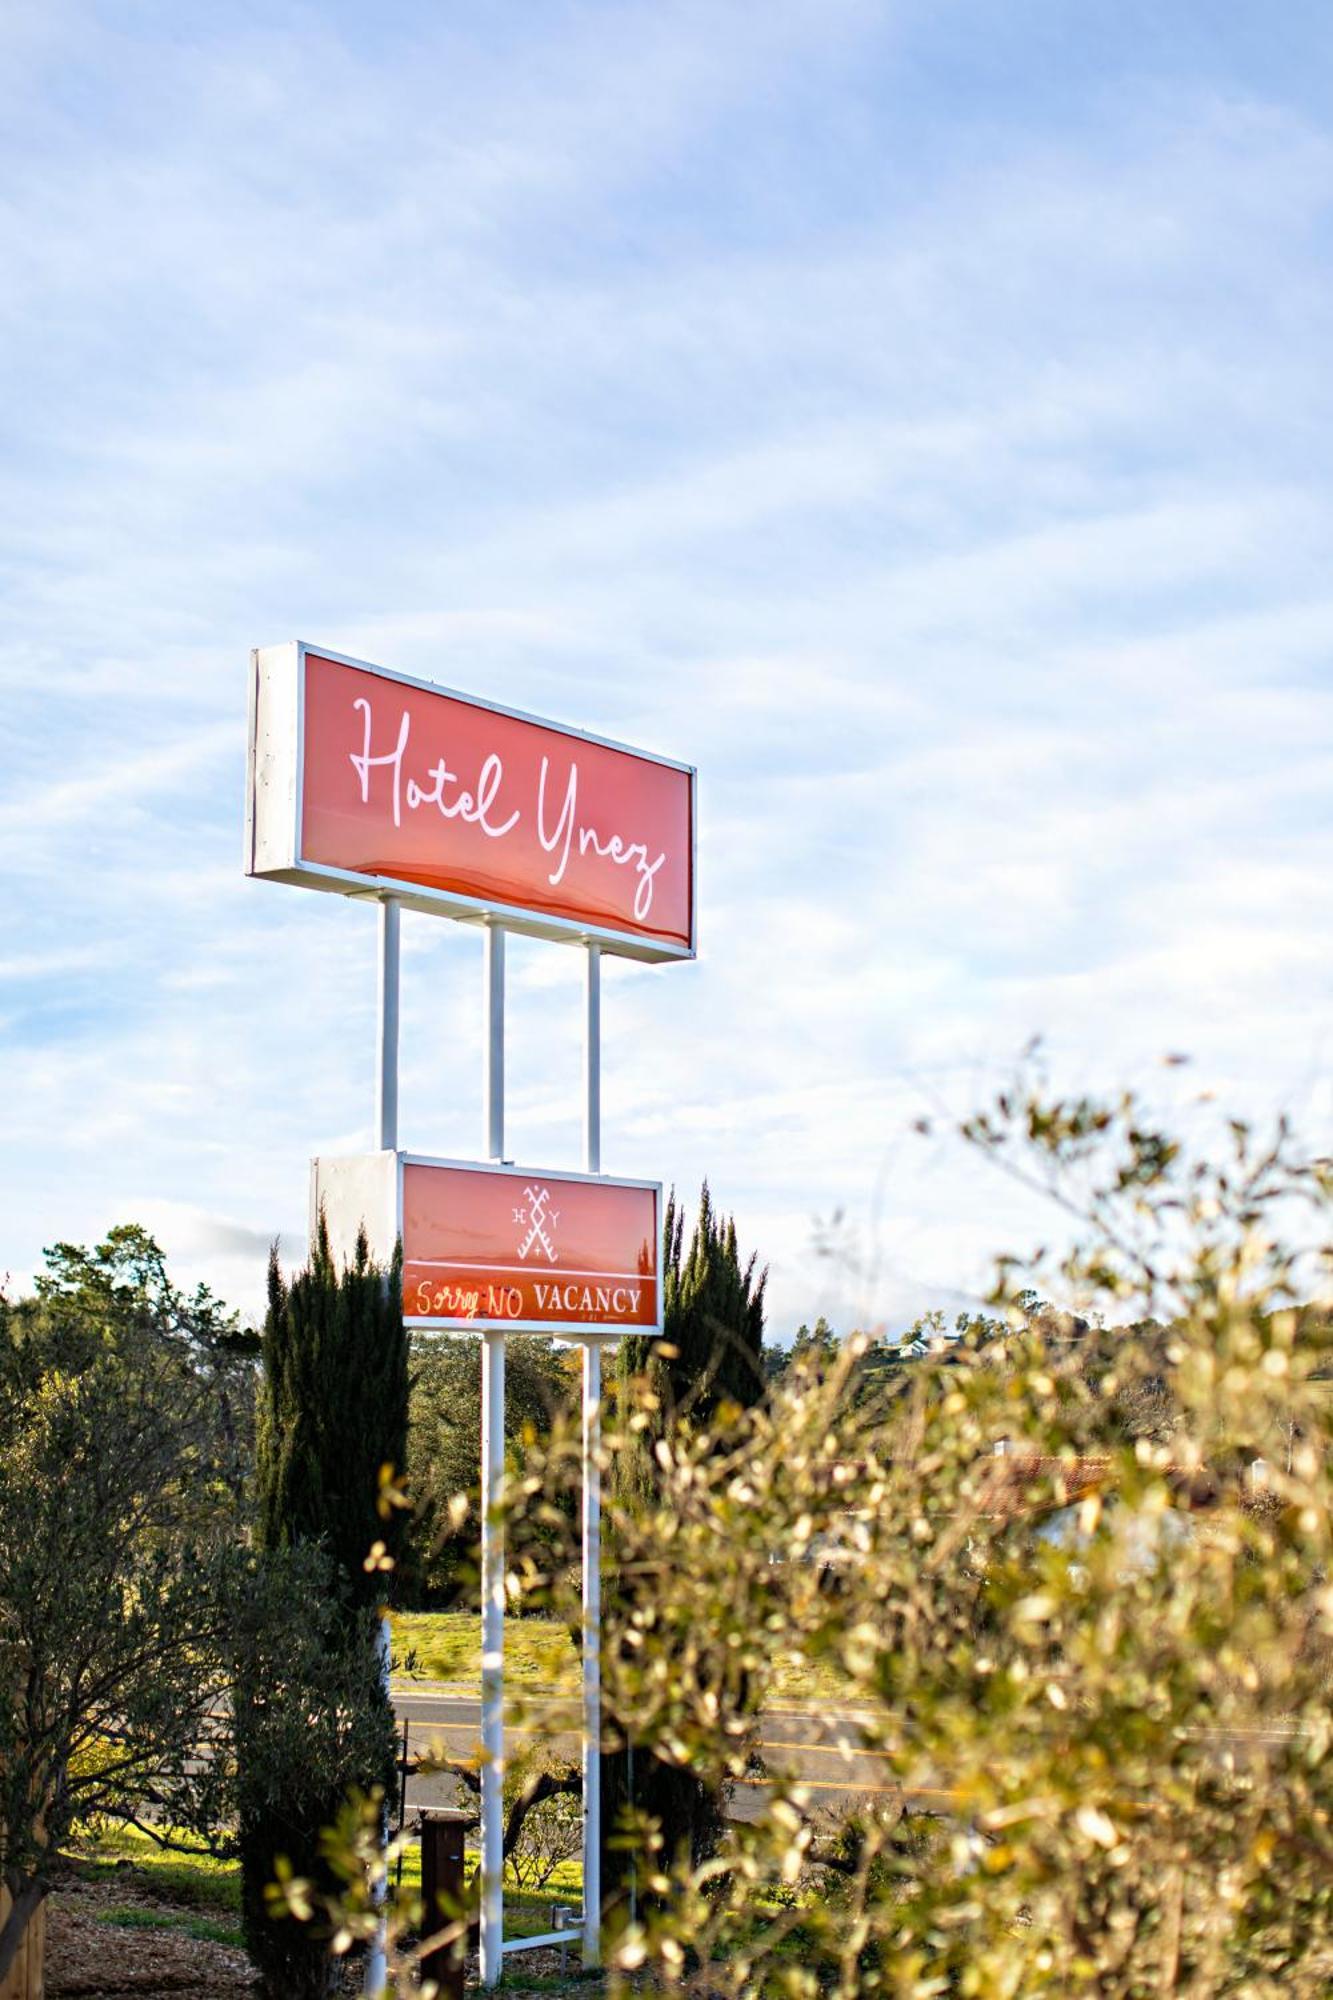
(709, 1364)
(1078, 1584)
(815, 1346)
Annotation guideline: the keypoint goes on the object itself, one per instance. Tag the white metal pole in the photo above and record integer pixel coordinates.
(592, 1655)
(386, 1138)
(494, 1043)
(492, 1658)
(592, 1507)
(386, 1076)
(492, 1542)
(592, 1065)
(377, 1964)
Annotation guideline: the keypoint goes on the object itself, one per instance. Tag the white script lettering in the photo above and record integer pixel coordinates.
(450, 1301)
(436, 786)
(470, 807)
(590, 841)
(365, 763)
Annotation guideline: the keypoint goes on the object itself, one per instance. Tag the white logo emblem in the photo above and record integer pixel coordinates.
(539, 1219)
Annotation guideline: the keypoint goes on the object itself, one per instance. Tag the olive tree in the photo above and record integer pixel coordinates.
(1091, 1668)
(117, 1563)
(708, 1361)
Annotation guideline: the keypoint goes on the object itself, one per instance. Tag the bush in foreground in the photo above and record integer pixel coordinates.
(1101, 1658)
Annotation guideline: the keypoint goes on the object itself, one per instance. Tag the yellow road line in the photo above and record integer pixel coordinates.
(823, 1749)
(827, 1785)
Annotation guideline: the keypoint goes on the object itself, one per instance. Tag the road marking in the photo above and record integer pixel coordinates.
(473, 1730)
(759, 1784)
(849, 1750)
(827, 1785)
(471, 1691)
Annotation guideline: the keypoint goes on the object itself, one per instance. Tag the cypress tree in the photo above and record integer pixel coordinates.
(712, 1347)
(332, 1410)
(316, 1722)
(711, 1354)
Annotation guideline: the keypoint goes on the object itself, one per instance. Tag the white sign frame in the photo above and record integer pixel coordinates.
(274, 798)
(377, 1205)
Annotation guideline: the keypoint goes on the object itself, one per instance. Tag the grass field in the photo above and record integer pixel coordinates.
(539, 1653)
(195, 1880)
(208, 1891)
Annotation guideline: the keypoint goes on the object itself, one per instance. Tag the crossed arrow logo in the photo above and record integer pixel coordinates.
(540, 1219)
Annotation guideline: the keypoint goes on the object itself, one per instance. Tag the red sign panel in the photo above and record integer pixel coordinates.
(365, 779)
(532, 1251)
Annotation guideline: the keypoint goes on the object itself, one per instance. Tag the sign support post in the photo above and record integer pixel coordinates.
(492, 1476)
(592, 1661)
(492, 1656)
(386, 1075)
(592, 1507)
(386, 1134)
(592, 1063)
(493, 1044)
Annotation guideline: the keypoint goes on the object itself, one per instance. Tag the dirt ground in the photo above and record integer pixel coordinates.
(97, 1960)
(88, 1958)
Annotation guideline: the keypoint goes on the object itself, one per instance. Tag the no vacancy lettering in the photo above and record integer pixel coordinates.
(501, 1247)
(409, 782)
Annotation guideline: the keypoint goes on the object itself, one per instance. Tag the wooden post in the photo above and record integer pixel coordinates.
(26, 1978)
(442, 1881)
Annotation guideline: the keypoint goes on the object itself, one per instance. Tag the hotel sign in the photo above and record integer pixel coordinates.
(366, 782)
(492, 1246)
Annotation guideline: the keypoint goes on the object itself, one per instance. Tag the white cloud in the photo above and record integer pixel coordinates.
(945, 474)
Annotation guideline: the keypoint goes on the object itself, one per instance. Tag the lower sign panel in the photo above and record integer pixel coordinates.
(503, 1246)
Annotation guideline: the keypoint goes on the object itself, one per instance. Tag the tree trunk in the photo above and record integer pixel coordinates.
(23, 1942)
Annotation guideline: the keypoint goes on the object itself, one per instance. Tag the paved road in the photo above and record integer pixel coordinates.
(818, 1748)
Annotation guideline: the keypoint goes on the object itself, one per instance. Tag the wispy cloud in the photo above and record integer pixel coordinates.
(932, 445)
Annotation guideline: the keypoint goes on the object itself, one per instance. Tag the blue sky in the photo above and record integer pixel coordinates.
(915, 415)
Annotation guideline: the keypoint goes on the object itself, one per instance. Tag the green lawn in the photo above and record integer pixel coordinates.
(134, 1918)
(196, 1881)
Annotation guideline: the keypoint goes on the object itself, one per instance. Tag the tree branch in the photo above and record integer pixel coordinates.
(547, 1785)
